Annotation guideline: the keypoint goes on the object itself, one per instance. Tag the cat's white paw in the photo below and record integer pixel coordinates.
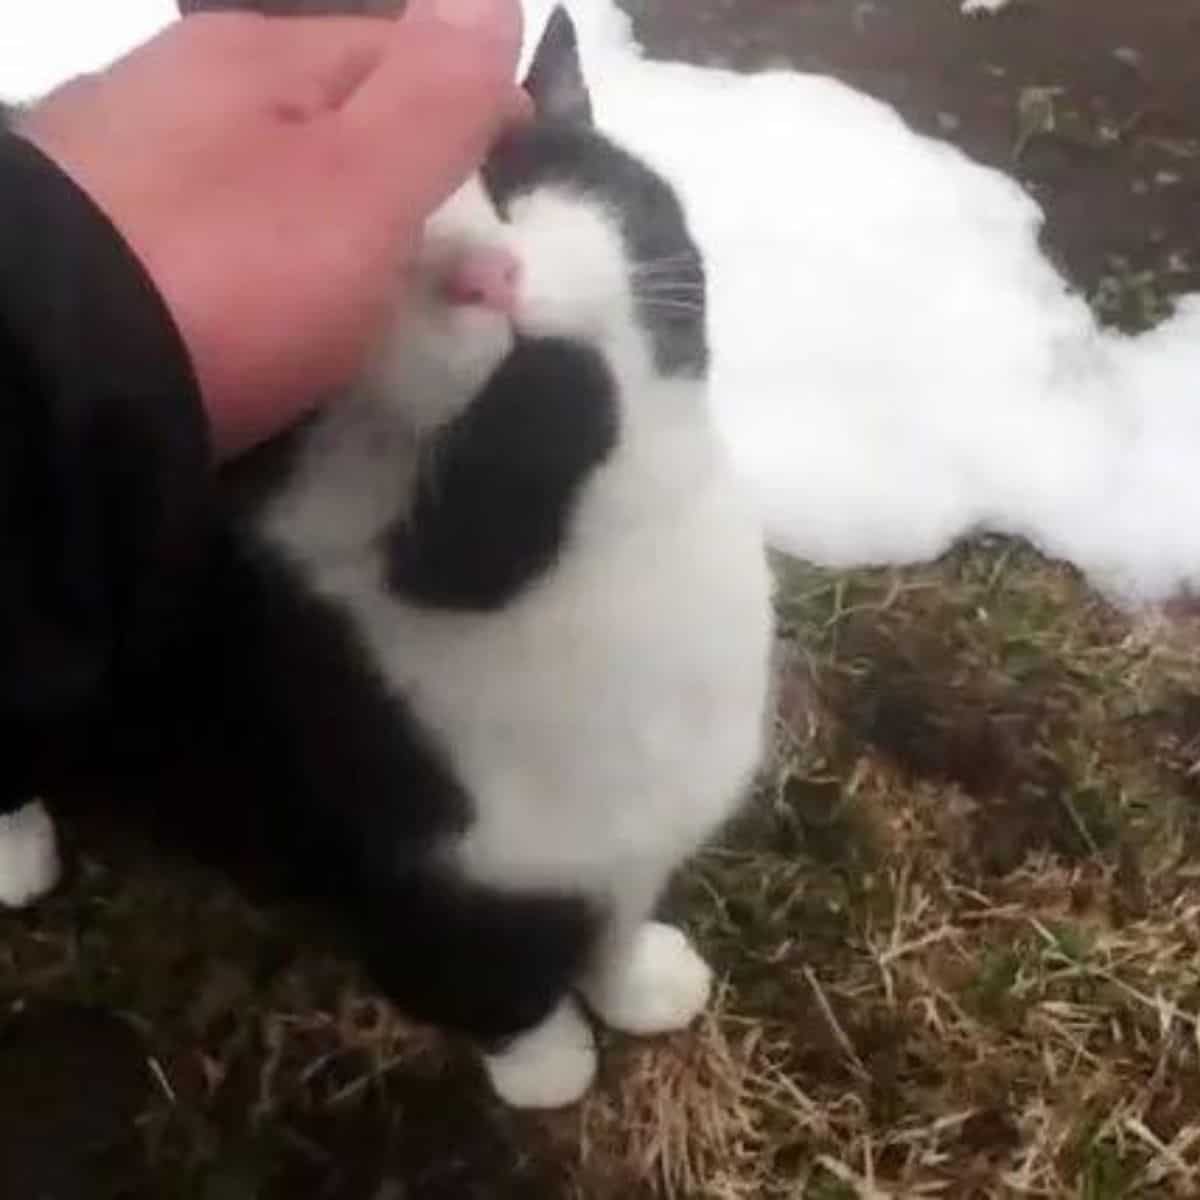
(29, 866)
(661, 985)
(548, 1067)
(973, 8)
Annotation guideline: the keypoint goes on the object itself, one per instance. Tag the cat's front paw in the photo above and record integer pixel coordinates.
(660, 985)
(551, 1066)
(29, 866)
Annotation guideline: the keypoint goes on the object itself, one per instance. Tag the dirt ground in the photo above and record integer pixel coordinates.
(958, 929)
(1091, 103)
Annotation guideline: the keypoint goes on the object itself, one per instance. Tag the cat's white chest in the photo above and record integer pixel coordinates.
(607, 719)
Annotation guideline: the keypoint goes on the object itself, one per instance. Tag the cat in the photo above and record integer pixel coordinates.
(493, 629)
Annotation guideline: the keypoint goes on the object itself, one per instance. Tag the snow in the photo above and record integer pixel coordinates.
(44, 42)
(897, 364)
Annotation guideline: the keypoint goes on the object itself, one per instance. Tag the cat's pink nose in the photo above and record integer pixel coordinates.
(483, 277)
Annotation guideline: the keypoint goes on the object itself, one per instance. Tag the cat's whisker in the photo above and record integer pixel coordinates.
(672, 306)
(676, 269)
(671, 279)
(669, 272)
(654, 272)
(692, 297)
(667, 260)
(671, 289)
(666, 305)
(671, 275)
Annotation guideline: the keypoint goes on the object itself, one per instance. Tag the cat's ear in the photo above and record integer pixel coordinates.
(555, 80)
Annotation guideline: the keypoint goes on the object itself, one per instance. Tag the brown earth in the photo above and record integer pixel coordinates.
(1118, 175)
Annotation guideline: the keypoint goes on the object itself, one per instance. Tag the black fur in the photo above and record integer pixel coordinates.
(365, 802)
(314, 785)
(493, 504)
(561, 148)
(367, 799)
(652, 221)
(345, 802)
(555, 79)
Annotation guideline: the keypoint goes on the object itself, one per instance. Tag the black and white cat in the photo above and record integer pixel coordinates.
(496, 633)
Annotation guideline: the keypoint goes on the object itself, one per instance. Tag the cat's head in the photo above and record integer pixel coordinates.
(564, 234)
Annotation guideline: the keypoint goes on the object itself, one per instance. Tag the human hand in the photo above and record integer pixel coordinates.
(273, 176)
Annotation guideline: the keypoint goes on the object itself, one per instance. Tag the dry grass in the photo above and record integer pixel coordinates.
(958, 931)
(960, 926)
(965, 913)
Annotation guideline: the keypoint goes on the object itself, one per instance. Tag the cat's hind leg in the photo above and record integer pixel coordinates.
(29, 864)
(648, 981)
(495, 965)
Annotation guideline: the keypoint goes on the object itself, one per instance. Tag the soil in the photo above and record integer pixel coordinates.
(1118, 176)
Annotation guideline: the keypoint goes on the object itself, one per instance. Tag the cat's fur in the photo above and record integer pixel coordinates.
(495, 636)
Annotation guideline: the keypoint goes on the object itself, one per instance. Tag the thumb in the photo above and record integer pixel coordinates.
(329, 57)
(425, 118)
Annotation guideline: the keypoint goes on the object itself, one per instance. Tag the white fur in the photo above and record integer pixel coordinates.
(548, 1067)
(656, 983)
(607, 720)
(29, 866)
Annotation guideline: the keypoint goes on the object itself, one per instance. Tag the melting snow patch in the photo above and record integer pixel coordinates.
(896, 361)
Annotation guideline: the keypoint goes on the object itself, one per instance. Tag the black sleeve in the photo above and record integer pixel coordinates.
(104, 459)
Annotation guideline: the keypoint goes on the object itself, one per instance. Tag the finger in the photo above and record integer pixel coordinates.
(326, 59)
(444, 90)
(473, 45)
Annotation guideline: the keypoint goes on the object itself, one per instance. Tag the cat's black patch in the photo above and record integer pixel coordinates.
(364, 802)
(562, 149)
(339, 802)
(492, 507)
(486, 962)
(670, 280)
